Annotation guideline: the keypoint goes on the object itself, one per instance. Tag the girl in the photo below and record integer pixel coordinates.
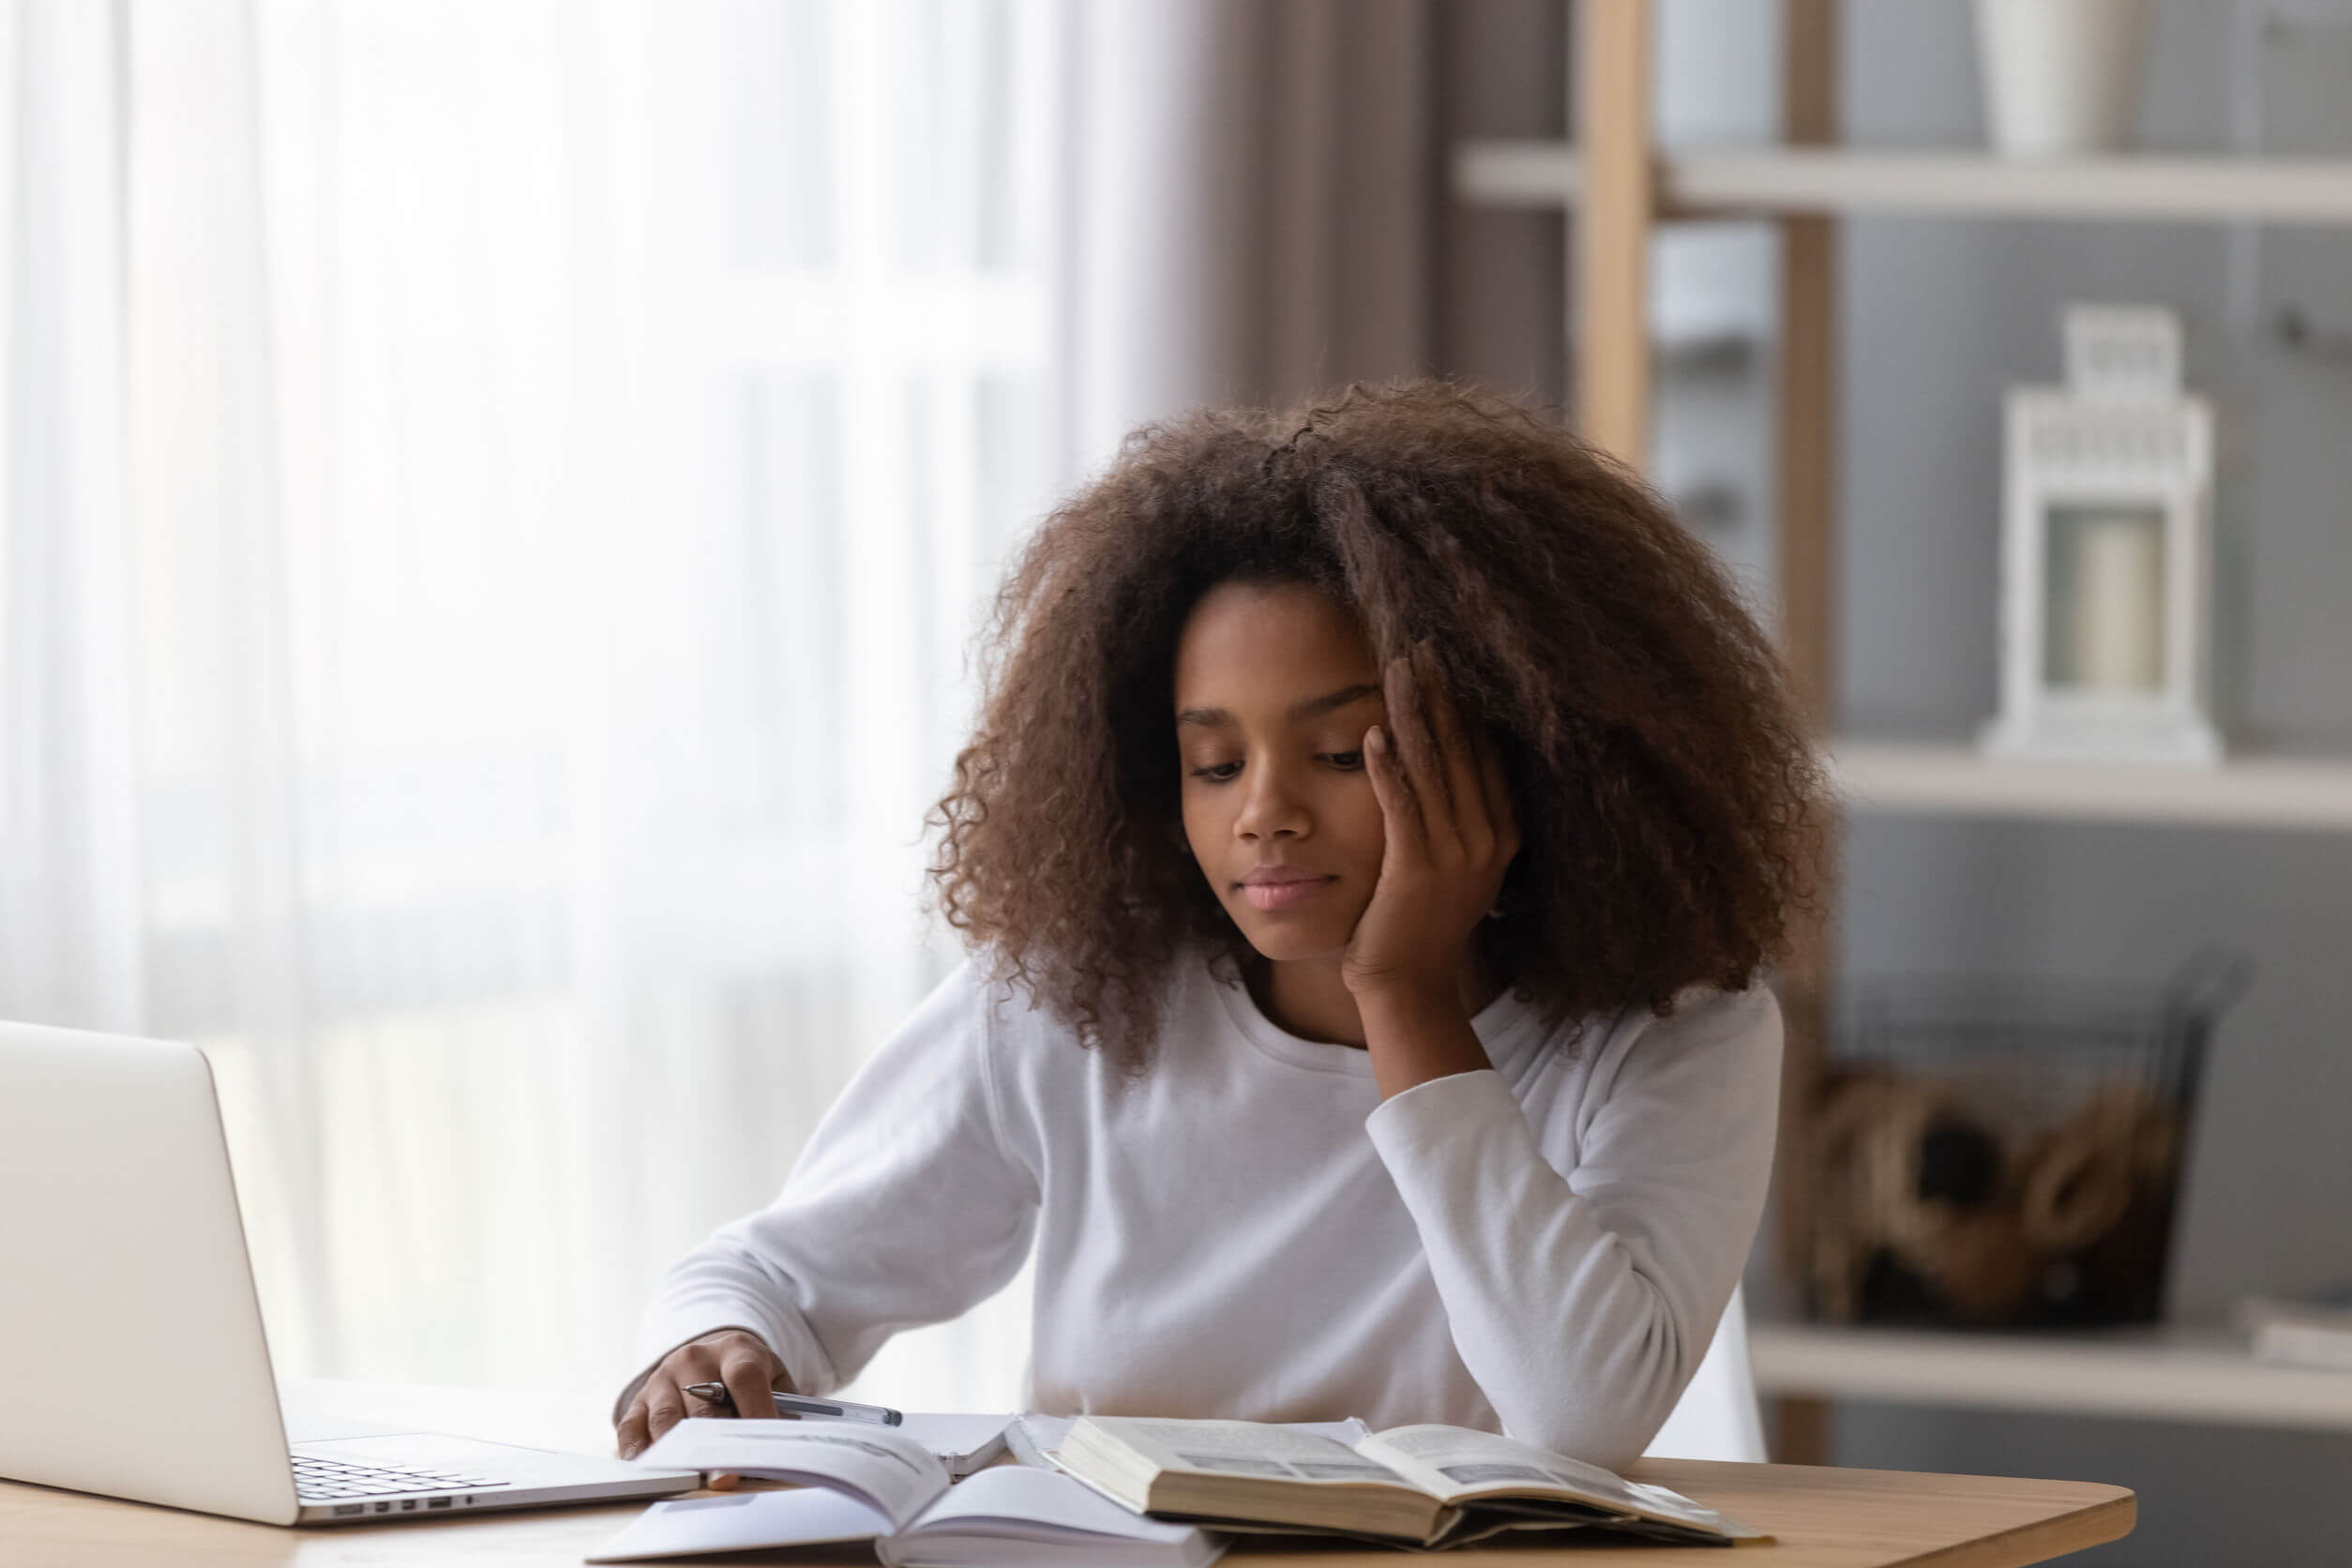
(1380, 816)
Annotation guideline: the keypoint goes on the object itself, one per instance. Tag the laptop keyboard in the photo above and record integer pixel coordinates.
(325, 1480)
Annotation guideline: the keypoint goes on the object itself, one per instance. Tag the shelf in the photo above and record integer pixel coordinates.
(2161, 1374)
(1740, 182)
(2251, 792)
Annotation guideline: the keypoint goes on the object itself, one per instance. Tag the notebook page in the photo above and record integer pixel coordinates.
(895, 1474)
(742, 1522)
(1033, 1502)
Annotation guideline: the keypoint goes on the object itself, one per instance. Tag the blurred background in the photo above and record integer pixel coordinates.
(496, 500)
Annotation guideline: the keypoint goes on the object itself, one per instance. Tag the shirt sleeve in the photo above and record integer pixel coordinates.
(902, 1210)
(1582, 1295)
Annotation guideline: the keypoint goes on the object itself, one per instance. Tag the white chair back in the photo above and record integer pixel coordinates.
(1717, 1416)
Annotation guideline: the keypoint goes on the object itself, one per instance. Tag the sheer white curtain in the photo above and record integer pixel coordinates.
(493, 498)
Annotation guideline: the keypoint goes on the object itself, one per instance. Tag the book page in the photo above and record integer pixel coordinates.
(741, 1521)
(1033, 1439)
(1034, 1504)
(1247, 1448)
(1461, 1465)
(877, 1465)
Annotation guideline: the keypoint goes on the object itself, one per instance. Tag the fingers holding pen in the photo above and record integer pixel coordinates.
(726, 1372)
(744, 1376)
(749, 1390)
(660, 1405)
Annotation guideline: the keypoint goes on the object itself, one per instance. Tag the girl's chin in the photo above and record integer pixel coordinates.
(1284, 940)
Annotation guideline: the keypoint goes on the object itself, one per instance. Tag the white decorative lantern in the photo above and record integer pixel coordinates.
(2105, 639)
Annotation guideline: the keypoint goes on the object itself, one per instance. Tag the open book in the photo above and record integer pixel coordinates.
(1419, 1486)
(875, 1484)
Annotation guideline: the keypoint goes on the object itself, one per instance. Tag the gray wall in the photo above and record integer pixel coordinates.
(1938, 316)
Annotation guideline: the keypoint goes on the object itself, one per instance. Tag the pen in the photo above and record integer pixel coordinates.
(794, 1404)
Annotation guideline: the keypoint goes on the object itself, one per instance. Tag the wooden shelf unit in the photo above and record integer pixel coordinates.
(1753, 182)
(1621, 186)
(2195, 1374)
(2313, 794)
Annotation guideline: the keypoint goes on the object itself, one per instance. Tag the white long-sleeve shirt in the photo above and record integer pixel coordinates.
(1541, 1248)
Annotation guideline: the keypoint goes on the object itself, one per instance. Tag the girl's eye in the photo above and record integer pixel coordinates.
(1346, 761)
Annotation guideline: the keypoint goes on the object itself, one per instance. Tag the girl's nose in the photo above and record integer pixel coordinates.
(1271, 808)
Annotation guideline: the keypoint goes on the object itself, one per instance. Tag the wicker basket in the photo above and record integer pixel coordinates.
(1998, 1151)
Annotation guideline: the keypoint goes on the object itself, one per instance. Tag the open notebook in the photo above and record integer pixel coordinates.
(867, 1483)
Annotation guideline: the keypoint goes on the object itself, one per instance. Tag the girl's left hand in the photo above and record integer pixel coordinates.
(1450, 829)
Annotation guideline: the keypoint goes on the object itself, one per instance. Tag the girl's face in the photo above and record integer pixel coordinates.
(1275, 689)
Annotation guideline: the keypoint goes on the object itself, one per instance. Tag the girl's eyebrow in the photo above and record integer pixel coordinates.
(1314, 707)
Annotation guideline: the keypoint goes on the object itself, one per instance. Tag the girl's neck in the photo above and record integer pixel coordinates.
(1308, 998)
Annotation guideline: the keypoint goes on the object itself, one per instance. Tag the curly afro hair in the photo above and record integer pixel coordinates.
(1668, 797)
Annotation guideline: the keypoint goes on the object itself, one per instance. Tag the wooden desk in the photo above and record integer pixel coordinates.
(1824, 1518)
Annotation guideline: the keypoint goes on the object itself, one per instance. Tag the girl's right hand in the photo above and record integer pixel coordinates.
(736, 1357)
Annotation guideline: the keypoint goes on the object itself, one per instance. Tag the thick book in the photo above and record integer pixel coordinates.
(1031, 1440)
(1427, 1486)
(867, 1483)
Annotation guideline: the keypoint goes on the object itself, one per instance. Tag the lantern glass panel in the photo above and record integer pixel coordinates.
(2104, 611)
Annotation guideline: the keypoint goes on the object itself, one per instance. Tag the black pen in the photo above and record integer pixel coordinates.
(796, 1404)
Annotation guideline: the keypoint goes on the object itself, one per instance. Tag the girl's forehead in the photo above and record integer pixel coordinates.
(1266, 639)
(1233, 617)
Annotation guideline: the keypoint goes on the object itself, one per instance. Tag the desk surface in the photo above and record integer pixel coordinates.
(1824, 1518)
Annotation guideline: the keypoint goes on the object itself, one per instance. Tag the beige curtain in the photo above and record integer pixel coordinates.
(1265, 210)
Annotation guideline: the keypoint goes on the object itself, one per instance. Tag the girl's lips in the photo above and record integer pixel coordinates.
(1281, 895)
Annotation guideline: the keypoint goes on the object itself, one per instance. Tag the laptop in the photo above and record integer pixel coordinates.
(131, 1347)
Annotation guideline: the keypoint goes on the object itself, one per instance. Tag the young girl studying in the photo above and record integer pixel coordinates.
(1380, 818)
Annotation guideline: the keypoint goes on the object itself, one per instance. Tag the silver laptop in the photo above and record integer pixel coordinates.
(131, 1349)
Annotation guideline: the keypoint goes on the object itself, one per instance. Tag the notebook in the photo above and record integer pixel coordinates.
(867, 1483)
